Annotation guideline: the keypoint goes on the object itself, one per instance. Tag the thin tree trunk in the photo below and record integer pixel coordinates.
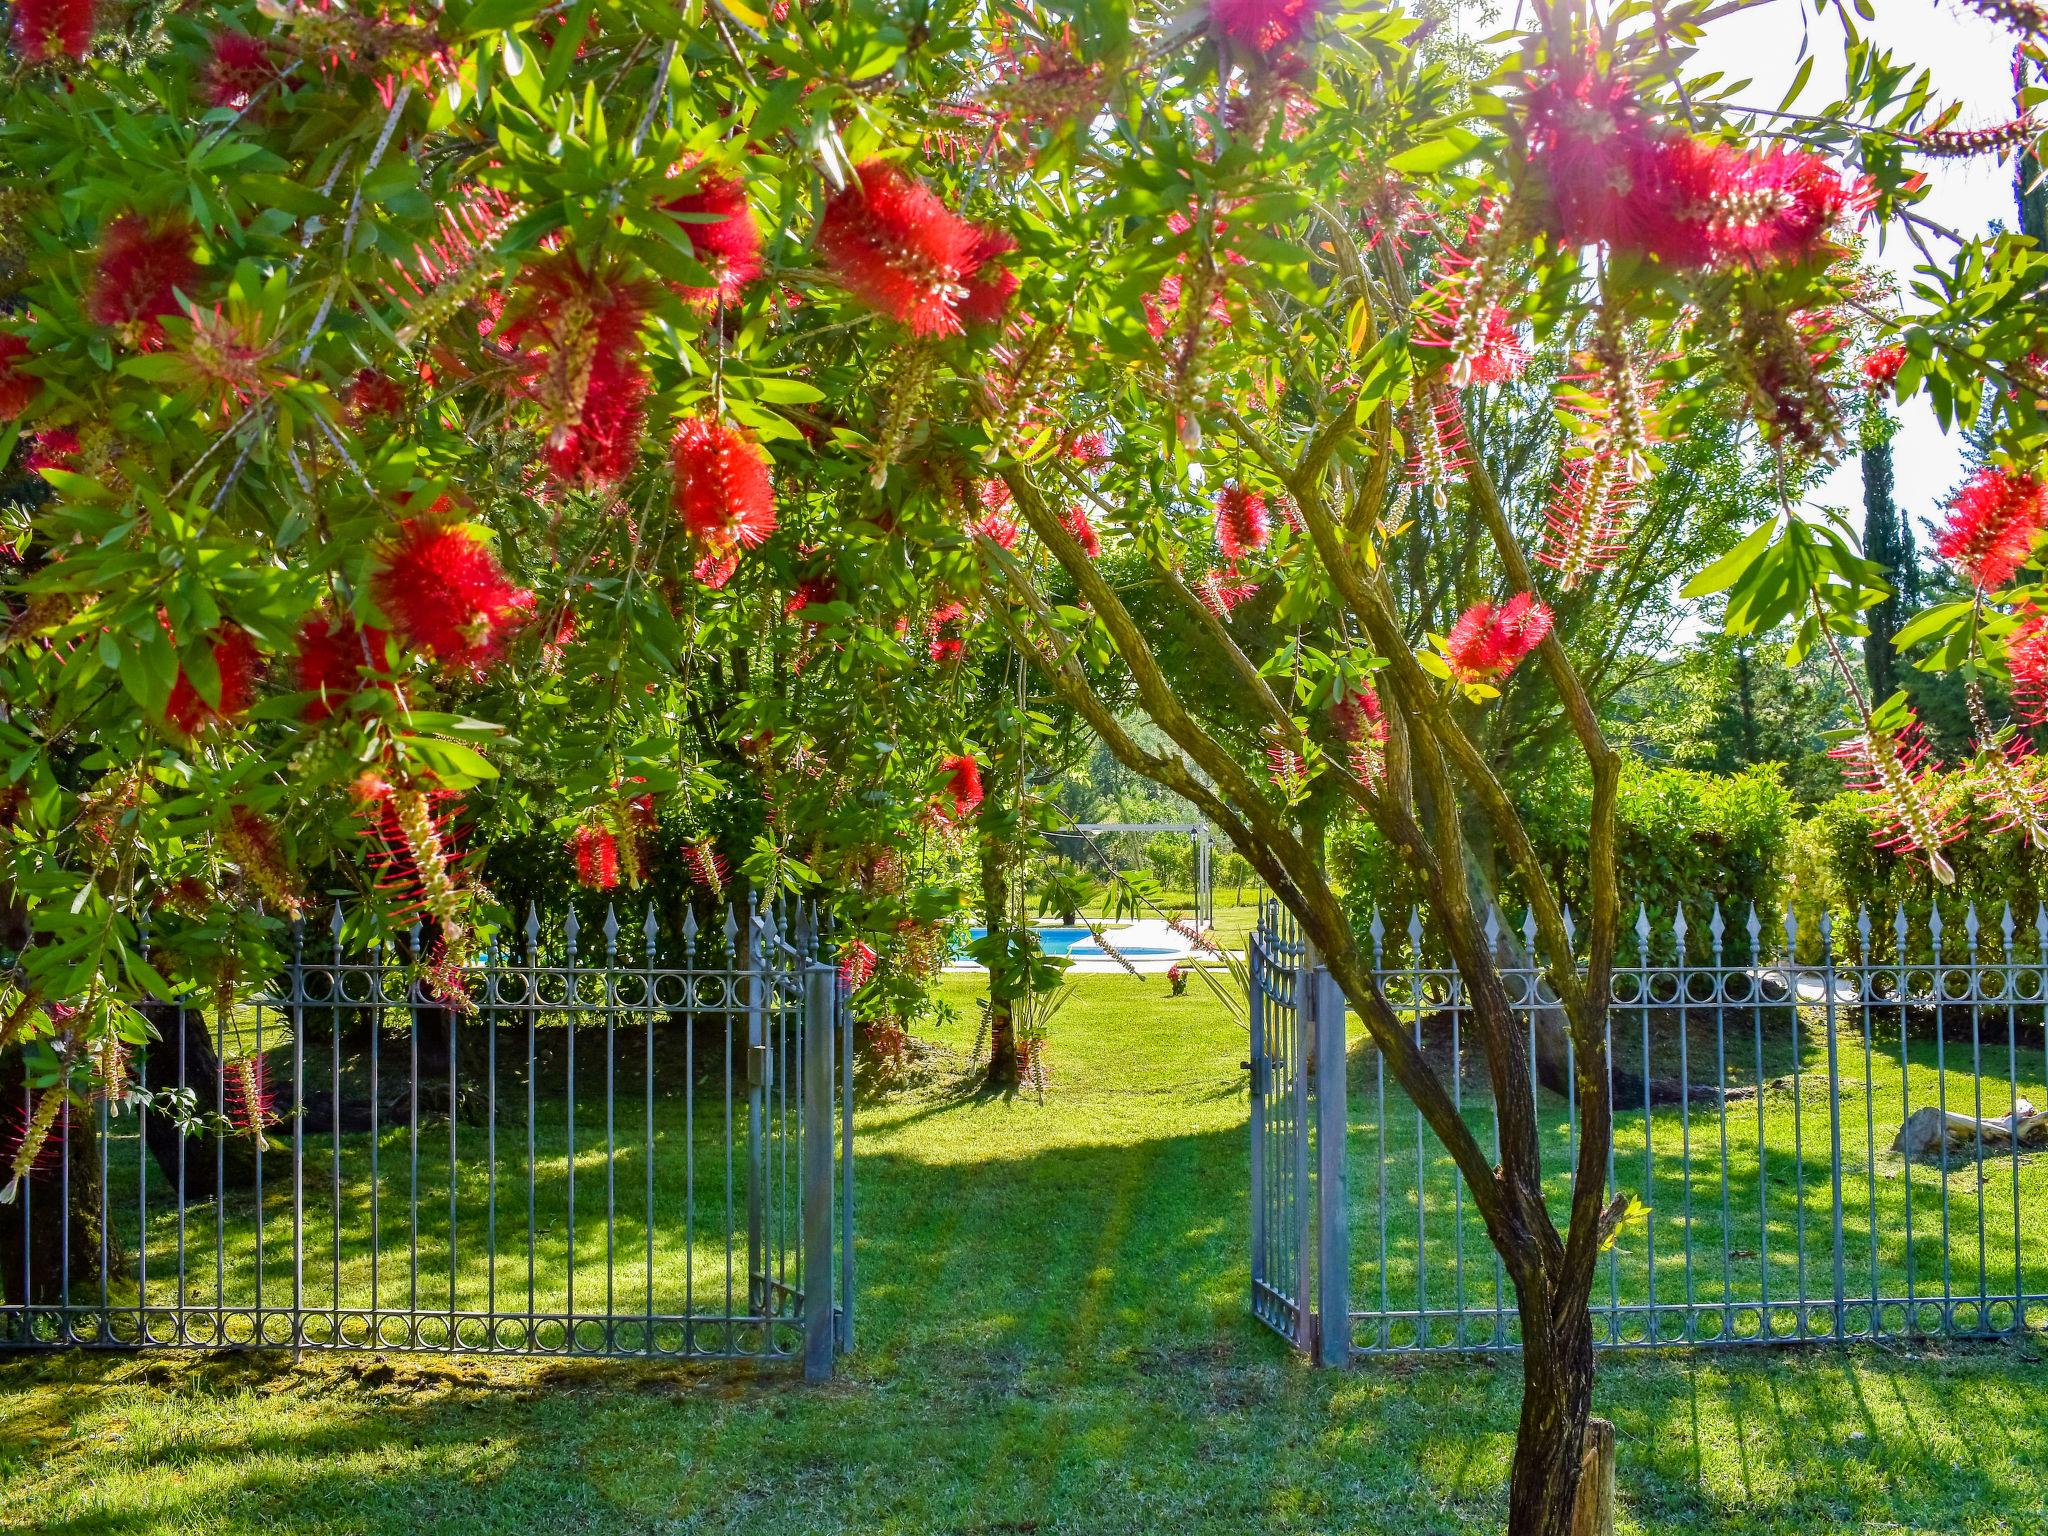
(995, 916)
(1557, 1401)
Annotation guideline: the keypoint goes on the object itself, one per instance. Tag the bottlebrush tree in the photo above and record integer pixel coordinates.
(595, 410)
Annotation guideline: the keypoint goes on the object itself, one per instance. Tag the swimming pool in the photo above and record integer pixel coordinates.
(1156, 942)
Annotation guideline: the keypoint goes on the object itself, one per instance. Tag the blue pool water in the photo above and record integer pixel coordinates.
(1080, 943)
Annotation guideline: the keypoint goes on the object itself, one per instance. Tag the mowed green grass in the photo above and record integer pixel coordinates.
(1741, 1208)
(1053, 1336)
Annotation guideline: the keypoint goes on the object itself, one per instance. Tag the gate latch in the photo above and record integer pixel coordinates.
(1257, 1067)
(758, 1066)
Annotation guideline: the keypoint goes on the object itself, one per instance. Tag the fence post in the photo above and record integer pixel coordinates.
(758, 1059)
(1333, 1264)
(1256, 999)
(819, 1017)
(842, 1005)
(1303, 1050)
(1827, 952)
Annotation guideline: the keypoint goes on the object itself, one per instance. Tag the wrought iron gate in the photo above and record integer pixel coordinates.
(642, 1148)
(1764, 1081)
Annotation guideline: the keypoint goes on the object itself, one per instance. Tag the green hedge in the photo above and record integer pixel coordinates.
(1837, 865)
(1681, 836)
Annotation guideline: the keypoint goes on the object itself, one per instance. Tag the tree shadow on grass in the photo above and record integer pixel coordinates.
(1054, 1340)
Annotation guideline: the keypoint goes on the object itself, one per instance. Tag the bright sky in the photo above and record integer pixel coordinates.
(1970, 58)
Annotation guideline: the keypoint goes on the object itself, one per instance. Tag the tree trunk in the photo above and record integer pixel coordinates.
(1557, 1402)
(36, 1238)
(995, 917)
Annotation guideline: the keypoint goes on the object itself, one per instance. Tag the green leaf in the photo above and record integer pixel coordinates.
(1730, 568)
(1935, 622)
(1437, 154)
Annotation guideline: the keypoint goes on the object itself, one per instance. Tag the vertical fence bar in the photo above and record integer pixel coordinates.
(1827, 951)
(844, 1010)
(1304, 1044)
(1901, 932)
(817, 1165)
(295, 978)
(1976, 998)
(1863, 974)
(1255, 1000)
(1683, 997)
(1333, 1262)
(1379, 1123)
(1941, 1100)
(1421, 1135)
(756, 1094)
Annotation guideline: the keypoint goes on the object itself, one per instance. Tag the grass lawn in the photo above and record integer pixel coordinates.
(1053, 1336)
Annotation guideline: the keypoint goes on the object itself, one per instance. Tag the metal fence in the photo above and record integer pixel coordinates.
(639, 1147)
(1764, 1080)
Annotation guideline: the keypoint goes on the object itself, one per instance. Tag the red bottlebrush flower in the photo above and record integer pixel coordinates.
(1284, 765)
(993, 494)
(1494, 353)
(601, 448)
(1702, 204)
(899, 249)
(946, 632)
(723, 237)
(716, 568)
(1501, 355)
(1075, 521)
(415, 849)
(36, 1148)
(1436, 422)
(251, 840)
(1901, 797)
(724, 488)
(706, 865)
(989, 291)
(580, 329)
(237, 71)
(1268, 26)
(53, 29)
(1589, 143)
(1782, 206)
(445, 593)
(1221, 591)
(370, 395)
(1360, 722)
(54, 448)
(1881, 368)
(18, 390)
(1992, 523)
(332, 657)
(963, 785)
(596, 851)
(1162, 308)
(2006, 778)
(248, 1094)
(2026, 659)
(1241, 522)
(1487, 642)
(856, 964)
(141, 268)
(1586, 522)
(238, 661)
(1462, 312)
(1090, 450)
(998, 530)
